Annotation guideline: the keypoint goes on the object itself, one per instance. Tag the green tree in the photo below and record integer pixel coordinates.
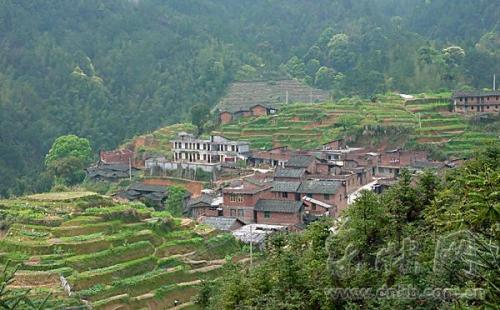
(200, 114)
(296, 67)
(67, 158)
(175, 200)
(324, 78)
(69, 146)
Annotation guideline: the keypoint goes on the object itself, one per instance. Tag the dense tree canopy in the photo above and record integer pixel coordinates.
(108, 70)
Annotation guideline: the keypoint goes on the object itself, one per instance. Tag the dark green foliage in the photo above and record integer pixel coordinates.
(14, 299)
(424, 237)
(108, 70)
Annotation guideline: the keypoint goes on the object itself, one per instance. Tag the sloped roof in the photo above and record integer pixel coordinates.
(289, 172)
(300, 161)
(476, 94)
(280, 206)
(203, 200)
(320, 186)
(284, 186)
(141, 187)
(220, 223)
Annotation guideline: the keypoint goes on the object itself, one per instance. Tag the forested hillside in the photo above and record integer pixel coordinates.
(107, 70)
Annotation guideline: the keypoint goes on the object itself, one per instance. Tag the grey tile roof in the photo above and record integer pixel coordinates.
(281, 206)
(320, 186)
(284, 186)
(476, 94)
(220, 223)
(203, 200)
(289, 172)
(300, 161)
(141, 187)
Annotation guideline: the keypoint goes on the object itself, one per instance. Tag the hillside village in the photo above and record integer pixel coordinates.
(237, 180)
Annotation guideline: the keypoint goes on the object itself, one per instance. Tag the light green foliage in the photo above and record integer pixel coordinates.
(105, 252)
(67, 158)
(69, 146)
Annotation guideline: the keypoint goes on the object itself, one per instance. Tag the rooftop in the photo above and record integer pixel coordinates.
(281, 206)
(220, 223)
(300, 161)
(284, 186)
(459, 94)
(289, 172)
(320, 186)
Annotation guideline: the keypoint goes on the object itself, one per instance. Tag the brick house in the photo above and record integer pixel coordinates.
(284, 190)
(204, 205)
(331, 192)
(279, 212)
(259, 110)
(336, 144)
(307, 162)
(239, 200)
(289, 174)
(476, 102)
(275, 157)
(225, 117)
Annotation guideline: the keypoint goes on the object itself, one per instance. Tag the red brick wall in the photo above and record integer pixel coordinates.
(318, 210)
(248, 213)
(248, 200)
(117, 157)
(338, 199)
(335, 145)
(258, 110)
(322, 169)
(279, 218)
(225, 117)
(278, 196)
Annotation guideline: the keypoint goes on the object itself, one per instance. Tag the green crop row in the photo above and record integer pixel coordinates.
(109, 274)
(111, 256)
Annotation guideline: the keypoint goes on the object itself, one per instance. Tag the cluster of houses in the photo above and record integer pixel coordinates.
(288, 188)
(302, 186)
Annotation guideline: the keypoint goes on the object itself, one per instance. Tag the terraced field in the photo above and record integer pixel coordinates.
(112, 256)
(388, 122)
(304, 126)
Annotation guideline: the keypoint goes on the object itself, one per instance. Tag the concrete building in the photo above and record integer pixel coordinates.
(476, 102)
(187, 148)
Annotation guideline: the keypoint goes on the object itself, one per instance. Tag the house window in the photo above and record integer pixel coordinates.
(233, 212)
(313, 207)
(267, 214)
(232, 198)
(487, 107)
(284, 194)
(327, 197)
(241, 213)
(309, 195)
(240, 198)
